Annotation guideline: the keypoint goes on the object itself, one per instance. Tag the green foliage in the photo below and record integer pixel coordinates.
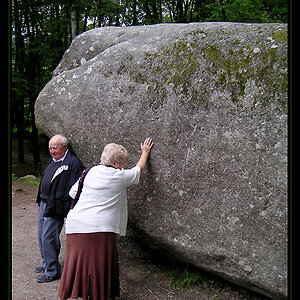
(245, 11)
(33, 181)
(184, 278)
(257, 11)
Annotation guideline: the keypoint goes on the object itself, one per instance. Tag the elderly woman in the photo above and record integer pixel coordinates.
(91, 269)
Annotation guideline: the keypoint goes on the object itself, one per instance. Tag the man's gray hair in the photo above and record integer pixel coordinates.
(64, 141)
(113, 152)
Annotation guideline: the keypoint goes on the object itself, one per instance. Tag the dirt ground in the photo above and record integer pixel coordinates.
(141, 276)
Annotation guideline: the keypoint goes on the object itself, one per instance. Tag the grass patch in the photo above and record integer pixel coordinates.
(29, 179)
(186, 278)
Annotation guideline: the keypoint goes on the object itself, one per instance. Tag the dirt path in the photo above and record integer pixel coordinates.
(140, 278)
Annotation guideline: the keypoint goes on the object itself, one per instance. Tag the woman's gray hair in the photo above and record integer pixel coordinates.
(113, 152)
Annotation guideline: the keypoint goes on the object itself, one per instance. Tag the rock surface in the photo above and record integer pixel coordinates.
(213, 96)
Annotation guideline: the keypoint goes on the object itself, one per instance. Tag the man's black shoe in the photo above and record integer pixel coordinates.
(44, 278)
(39, 269)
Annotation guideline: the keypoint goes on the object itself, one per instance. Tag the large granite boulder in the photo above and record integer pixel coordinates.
(213, 96)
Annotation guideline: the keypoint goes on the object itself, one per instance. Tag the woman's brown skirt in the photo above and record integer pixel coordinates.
(91, 269)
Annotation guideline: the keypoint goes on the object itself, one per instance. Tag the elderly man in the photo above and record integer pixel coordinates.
(53, 201)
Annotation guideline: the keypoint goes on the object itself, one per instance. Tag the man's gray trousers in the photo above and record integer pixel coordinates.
(48, 235)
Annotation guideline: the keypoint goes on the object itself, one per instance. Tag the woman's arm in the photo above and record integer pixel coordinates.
(146, 148)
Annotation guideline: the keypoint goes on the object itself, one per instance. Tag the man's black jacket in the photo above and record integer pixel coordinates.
(59, 201)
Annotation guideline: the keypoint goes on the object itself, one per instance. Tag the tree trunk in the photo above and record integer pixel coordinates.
(85, 22)
(35, 146)
(74, 23)
(33, 74)
(134, 17)
(19, 96)
(20, 132)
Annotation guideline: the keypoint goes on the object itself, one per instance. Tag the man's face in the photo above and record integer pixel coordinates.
(56, 148)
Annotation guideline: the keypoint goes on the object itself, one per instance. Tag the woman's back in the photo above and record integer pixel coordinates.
(102, 205)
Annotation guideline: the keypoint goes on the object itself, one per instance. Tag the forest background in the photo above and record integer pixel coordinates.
(42, 30)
